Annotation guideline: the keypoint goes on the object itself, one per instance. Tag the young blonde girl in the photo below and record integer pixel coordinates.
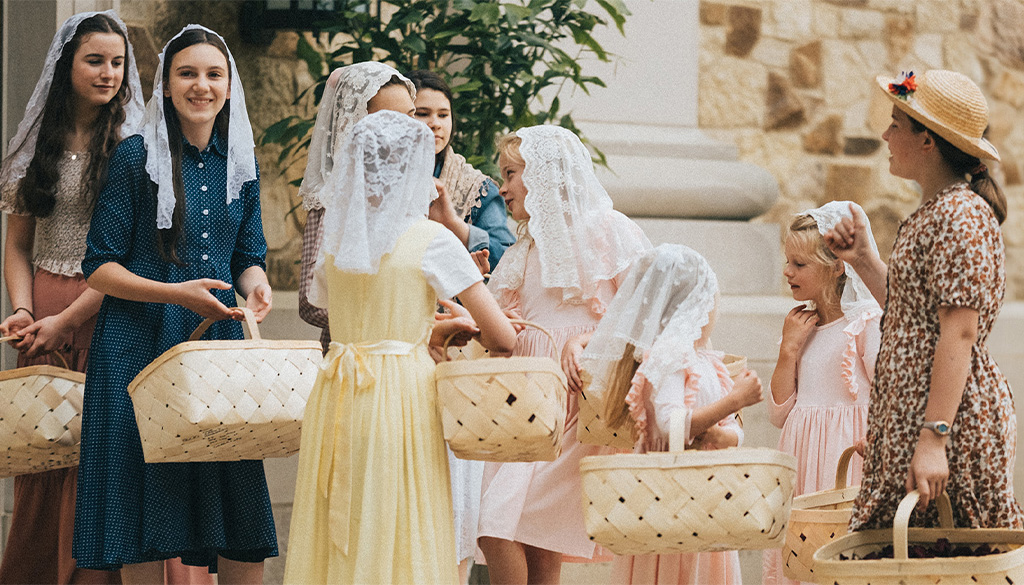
(572, 253)
(175, 234)
(651, 360)
(820, 388)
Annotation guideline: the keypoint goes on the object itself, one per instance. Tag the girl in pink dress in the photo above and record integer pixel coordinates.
(572, 252)
(650, 360)
(819, 391)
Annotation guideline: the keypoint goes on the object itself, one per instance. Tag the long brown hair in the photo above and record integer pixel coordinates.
(964, 164)
(169, 239)
(38, 190)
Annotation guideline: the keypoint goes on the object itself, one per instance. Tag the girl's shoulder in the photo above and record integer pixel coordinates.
(130, 151)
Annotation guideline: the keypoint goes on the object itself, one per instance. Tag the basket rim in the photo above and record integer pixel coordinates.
(807, 502)
(219, 344)
(687, 459)
(486, 366)
(43, 370)
(826, 561)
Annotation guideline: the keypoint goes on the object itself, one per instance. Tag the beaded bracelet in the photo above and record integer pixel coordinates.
(26, 310)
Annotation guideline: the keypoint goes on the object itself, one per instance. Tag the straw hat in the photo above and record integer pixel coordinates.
(947, 103)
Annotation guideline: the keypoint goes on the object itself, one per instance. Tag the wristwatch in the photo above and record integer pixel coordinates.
(939, 427)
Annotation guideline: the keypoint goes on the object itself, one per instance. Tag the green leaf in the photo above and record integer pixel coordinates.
(467, 87)
(487, 13)
(415, 44)
(464, 4)
(514, 14)
(314, 60)
(618, 11)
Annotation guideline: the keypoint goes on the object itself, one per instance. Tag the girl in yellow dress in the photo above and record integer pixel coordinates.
(372, 500)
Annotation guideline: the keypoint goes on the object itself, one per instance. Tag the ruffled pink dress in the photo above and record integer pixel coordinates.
(829, 410)
(705, 382)
(539, 503)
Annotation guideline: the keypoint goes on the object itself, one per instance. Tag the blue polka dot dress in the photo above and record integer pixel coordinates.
(129, 511)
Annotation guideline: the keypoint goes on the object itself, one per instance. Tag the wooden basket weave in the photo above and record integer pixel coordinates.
(816, 520)
(693, 501)
(503, 409)
(998, 569)
(224, 400)
(40, 418)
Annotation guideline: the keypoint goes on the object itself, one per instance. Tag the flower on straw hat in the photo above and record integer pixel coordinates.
(947, 103)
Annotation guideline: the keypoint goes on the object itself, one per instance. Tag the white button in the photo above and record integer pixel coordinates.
(206, 212)
(201, 165)
(206, 257)
(203, 188)
(206, 235)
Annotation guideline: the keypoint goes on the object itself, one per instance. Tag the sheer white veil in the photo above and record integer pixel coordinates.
(346, 94)
(241, 146)
(22, 146)
(856, 296)
(382, 184)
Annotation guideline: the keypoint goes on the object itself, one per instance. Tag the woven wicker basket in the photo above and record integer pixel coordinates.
(816, 520)
(693, 501)
(1002, 569)
(224, 400)
(503, 409)
(40, 417)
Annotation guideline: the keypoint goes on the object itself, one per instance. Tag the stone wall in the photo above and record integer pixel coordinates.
(272, 77)
(791, 82)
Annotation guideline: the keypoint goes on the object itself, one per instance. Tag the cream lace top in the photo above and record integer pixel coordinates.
(60, 237)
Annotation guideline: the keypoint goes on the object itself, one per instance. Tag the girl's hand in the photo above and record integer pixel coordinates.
(797, 328)
(929, 469)
(571, 362)
(716, 437)
(464, 329)
(441, 209)
(14, 325)
(861, 447)
(849, 238)
(480, 257)
(195, 295)
(259, 302)
(746, 391)
(514, 315)
(454, 310)
(48, 334)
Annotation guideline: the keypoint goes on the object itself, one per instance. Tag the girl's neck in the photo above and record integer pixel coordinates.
(85, 118)
(828, 312)
(197, 136)
(934, 181)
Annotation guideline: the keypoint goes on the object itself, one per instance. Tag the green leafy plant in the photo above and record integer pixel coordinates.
(498, 57)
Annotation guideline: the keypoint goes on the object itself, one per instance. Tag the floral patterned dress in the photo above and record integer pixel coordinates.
(948, 253)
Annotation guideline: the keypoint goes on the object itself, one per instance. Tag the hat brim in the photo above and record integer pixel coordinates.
(977, 147)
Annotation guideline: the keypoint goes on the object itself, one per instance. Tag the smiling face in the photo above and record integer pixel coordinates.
(512, 189)
(807, 278)
(199, 83)
(97, 70)
(434, 109)
(905, 145)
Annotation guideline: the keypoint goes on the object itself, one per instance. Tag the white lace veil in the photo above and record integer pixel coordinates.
(569, 220)
(241, 146)
(383, 183)
(22, 147)
(660, 308)
(346, 94)
(856, 296)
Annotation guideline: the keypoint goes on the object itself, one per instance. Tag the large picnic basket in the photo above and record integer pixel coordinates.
(40, 417)
(224, 400)
(592, 428)
(817, 519)
(692, 501)
(1004, 568)
(503, 409)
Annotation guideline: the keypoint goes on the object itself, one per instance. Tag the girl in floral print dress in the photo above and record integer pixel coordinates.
(941, 416)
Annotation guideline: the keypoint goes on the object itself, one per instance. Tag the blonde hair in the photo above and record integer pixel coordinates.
(508, 146)
(619, 382)
(804, 233)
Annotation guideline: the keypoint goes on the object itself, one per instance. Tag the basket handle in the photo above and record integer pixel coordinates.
(59, 355)
(899, 524)
(677, 431)
(250, 320)
(844, 466)
(558, 350)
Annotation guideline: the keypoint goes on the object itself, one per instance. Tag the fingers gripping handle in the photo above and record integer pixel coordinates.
(250, 320)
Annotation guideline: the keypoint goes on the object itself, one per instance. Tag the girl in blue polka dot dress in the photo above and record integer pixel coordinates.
(175, 233)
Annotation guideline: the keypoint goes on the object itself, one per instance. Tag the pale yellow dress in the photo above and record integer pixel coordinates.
(373, 499)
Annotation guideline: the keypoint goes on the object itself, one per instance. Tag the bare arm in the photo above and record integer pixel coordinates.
(746, 392)
(255, 289)
(496, 333)
(21, 231)
(117, 281)
(958, 332)
(442, 211)
(798, 326)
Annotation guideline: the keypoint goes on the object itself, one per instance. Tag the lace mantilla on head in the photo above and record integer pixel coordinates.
(581, 240)
(346, 94)
(382, 185)
(22, 147)
(465, 183)
(241, 146)
(659, 309)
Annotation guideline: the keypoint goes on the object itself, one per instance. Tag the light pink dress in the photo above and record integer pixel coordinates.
(829, 410)
(539, 503)
(704, 383)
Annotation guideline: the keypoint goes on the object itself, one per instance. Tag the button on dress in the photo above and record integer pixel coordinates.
(130, 511)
